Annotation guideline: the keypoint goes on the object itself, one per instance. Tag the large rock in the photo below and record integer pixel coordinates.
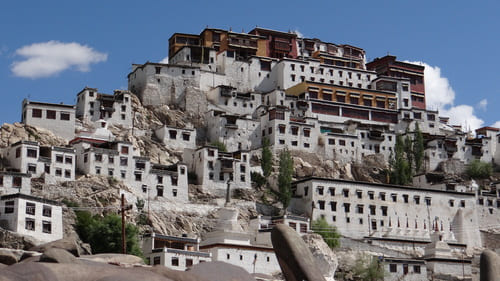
(296, 261)
(220, 271)
(324, 256)
(489, 266)
(57, 255)
(114, 258)
(7, 257)
(68, 244)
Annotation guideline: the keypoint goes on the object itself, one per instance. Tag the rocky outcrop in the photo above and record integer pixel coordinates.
(12, 133)
(296, 261)
(7, 257)
(56, 255)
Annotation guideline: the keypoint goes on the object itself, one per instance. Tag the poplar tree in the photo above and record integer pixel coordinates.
(418, 149)
(285, 178)
(267, 158)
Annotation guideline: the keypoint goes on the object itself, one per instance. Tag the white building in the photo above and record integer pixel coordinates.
(119, 160)
(216, 169)
(14, 182)
(57, 118)
(236, 132)
(53, 163)
(229, 243)
(33, 216)
(116, 109)
(403, 269)
(229, 100)
(179, 253)
(176, 138)
(360, 209)
(262, 226)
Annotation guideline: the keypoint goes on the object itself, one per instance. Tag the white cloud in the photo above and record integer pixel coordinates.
(482, 104)
(165, 60)
(299, 34)
(50, 58)
(440, 96)
(496, 124)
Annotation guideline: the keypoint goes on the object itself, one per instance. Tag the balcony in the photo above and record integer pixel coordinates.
(242, 43)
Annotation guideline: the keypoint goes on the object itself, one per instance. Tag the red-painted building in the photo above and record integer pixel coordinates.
(389, 66)
(279, 44)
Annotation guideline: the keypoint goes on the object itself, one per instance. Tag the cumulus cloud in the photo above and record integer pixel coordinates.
(496, 124)
(51, 58)
(165, 60)
(299, 34)
(441, 96)
(482, 104)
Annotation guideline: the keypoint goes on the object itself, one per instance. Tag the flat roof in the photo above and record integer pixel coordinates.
(393, 186)
(29, 197)
(66, 106)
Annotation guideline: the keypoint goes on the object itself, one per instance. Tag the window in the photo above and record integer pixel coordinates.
(417, 199)
(123, 174)
(462, 203)
(382, 196)
(140, 165)
(333, 206)
(394, 197)
(427, 201)
(294, 143)
(97, 170)
(307, 132)
(189, 262)
(371, 195)
(156, 260)
(321, 204)
(384, 211)
(174, 192)
(331, 141)
(393, 267)
(360, 209)
(295, 130)
(347, 207)
(175, 261)
(85, 158)
(1, 180)
(32, 153)
(68, 160)
(359, 194)
(59, 158)
(451, 203)
(124, 150)
(123, 161)
(174, 181)
(345, 192)
(303, 228)
(32, 168)
(405, 198)
(36, 113)
(51, 114)
(228, 256)
(416, 269)
(30, 224)
(30, 208)
(159, 191)
(331, 190)
(405, 269)
(67, 173)
(58, 172)
(342, 142)
(110, 172)
(18, 152)
(9, 207)
(65, 116)
(373, 210)
(46, 227)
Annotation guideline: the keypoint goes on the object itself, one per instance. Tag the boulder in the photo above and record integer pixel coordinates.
(296, 261)
(325, 258)
(68, 244)
(114, 258)
(7, 257)
(489, 266)
(57, 255)
(220, 271)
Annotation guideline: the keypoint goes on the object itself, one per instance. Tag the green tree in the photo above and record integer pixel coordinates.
(400, 168)
(479, 170)
(285, 178)
(220, 146)
(104, 233)
(418, 149)
(368, 268)
(329, 233)
(267, 158)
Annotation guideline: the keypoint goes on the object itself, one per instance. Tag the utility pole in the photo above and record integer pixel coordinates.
(124, 242)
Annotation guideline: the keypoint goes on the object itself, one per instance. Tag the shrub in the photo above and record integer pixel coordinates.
(479, 170)
(104, 233)
(220, 146)
(258, 179)
(329, 233)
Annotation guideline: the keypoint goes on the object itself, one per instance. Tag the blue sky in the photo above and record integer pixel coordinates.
(457, 40)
